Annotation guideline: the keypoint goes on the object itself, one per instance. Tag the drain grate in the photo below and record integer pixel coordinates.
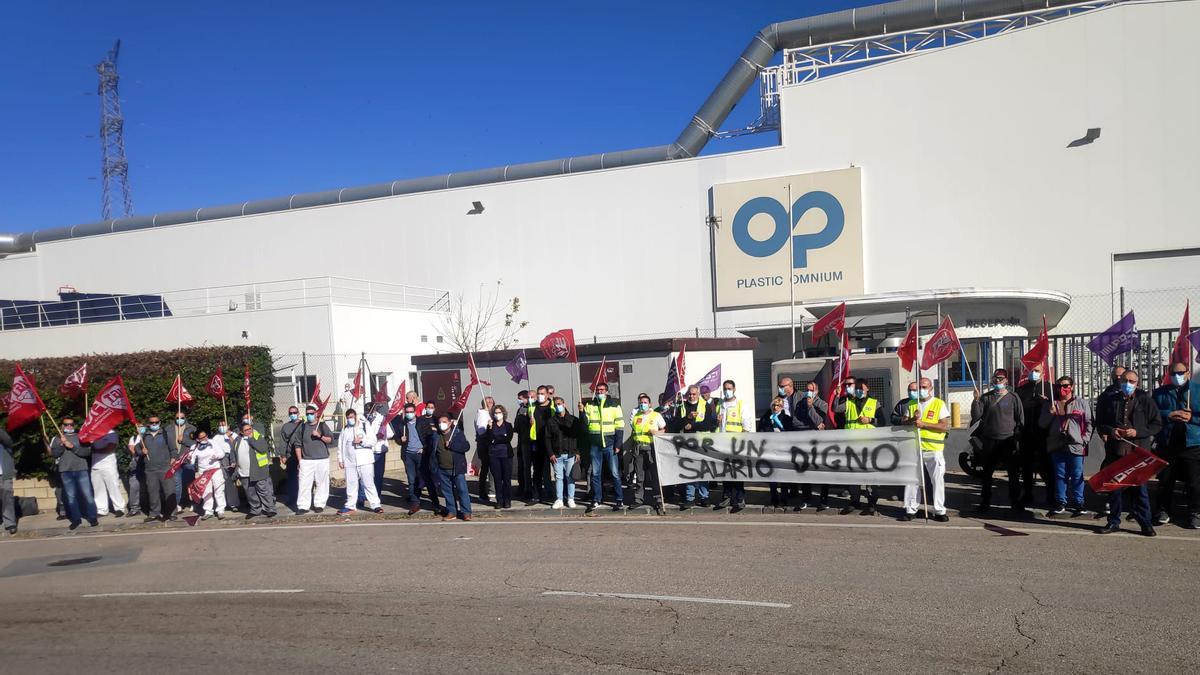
(74, 561)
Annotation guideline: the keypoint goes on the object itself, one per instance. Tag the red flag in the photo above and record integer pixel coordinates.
(110, 408)
(835, 321)
(200, 484)
(357, 391)
(1039, 351)
(216, 385)
(246, 387)
(460, 403)
(316, 394)
(841, 371)
(396, 408)
(560, 345)
(179, 393)
(1182, 352)
(941, 345)
(75, 384)
(908, 349)
(381, 396)
(474, 372)
(177, 464)
(1132, 470)
(24, 403)
(601, 377)
(681, 368)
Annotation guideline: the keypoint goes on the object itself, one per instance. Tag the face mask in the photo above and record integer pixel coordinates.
(912, 395)
(728, 393)
(849, 390)
(1035, 376)
(443, 426)
(601, 397)
(523, 401)
(154, 427)
(141, 430)
(179, 421)
(221, 429)
(293, 417)
(499, 417)
(428, 411)
(350, 421)
(1128, 388)
(782, 391)
(310, 417)
(541, 398)
(1179, 379)
(561, 408)
(68, 430)
(643, 407)
(246, 420)
(924, 392)
(410, 415)
(1064, 392)
(1000, 386)
(810, 394)
(859, 393)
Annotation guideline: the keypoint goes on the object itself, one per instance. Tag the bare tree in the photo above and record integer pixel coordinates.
(487, 324)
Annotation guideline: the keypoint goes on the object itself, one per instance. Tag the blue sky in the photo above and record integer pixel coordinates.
(227, 101)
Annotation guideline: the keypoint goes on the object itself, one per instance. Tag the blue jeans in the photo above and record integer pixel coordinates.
(689, 491)
(562, 477)
(416, 470)
(454, 491)
(600, 457)
(1141, 505)
(735, 491)
(77, 492)
(380, 463)
(1068, 475)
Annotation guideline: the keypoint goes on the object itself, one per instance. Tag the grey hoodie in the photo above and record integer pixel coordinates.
(1068, 426)
(71, 459)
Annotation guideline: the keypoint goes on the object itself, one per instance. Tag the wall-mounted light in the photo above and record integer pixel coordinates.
(1089, 137)
(476, 209)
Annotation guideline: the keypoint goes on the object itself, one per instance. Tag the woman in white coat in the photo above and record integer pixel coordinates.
(356, 456)
(207, 457)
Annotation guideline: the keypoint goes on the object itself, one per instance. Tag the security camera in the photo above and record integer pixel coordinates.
(245, 335)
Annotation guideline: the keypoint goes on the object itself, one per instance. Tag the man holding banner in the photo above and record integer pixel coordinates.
(1130, 420)
(931, 416)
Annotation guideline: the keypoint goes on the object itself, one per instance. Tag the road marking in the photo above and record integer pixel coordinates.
(973, 526)
(144, 594)
(669, 598)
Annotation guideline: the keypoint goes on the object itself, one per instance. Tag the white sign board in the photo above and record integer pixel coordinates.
(757, 252)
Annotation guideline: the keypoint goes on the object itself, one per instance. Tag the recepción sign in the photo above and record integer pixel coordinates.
(758, 252)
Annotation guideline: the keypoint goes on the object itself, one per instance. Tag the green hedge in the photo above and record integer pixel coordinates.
(148, 377)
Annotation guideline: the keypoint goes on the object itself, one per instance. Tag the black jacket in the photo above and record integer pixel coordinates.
(496, 440)
(1001, 415)
(683, 424)
(564, 431)
(1033, 398)
(766, 425)
(808, 415)
(1138, 412)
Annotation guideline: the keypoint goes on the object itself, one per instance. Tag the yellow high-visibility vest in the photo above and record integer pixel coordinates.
(644, 423)
(931, 441)
(853, 412)
(603, 419)
(733, 417)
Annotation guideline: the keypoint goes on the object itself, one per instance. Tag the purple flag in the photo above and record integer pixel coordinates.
(518, 368)
(711, 379)
(1194, 338)
(672, 387)
(1120, 338)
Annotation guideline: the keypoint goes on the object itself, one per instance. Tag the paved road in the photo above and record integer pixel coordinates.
(408, 596)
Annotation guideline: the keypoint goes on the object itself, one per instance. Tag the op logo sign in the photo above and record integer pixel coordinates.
(758, 249)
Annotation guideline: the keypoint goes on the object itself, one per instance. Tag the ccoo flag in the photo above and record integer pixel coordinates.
(1132, 470)
(908, 349)
(711, 379)
(216, 385)
(1182, 351)
(1120, 338)
(941, 345)
(24, 402)
(179, 393)
(1039, 351)
(834, 321)
(110, 408)
(75, 384)
(560, 345)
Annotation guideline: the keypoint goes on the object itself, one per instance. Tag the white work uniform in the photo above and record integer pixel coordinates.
(378, 445)
(106, 481)
(935, 467)
(356, 453)
(206, 458)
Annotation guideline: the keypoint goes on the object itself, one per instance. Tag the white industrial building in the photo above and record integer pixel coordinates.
(995, 160)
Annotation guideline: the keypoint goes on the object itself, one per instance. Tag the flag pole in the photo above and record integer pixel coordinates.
(53, 422)
(790, 262)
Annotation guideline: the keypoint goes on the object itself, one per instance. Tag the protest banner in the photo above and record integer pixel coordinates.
(883, 456)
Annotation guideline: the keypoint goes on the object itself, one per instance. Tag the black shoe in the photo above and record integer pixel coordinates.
(906, 516)
(822, 507)
(72, 527)
(93, 523)
(151, 519)
(173, 518)
(869, 511)
(118, 514)
(134, 514)
(318, 509)
(1109, 529)
(1148, 531)
(941, 517)
(847, 510)
(60, 517)
(1192, 522)
(1057, 512)
(1162, 518)
(304, 511)
(737, 507)
(724, 503)
(271, 514)
(685, 506)
(251, 516)
(983, 508)
(704, 503)
(618, 507)
(11, 530)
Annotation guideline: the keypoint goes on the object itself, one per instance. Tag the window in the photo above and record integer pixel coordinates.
(304, 387)
(979, 358)
(424, 338)
(439, 338)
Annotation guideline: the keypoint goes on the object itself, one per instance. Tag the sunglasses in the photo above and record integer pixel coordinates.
(1179, 372)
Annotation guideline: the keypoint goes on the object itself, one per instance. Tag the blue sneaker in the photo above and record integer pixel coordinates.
(343, 511)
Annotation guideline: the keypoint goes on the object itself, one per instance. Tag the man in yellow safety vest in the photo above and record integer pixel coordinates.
(692, 416)
(606, 431)
(646, 423)
(931, 416)
(861, 412)
(732, 420)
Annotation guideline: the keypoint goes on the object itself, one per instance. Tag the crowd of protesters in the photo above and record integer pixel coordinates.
(534, 453)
